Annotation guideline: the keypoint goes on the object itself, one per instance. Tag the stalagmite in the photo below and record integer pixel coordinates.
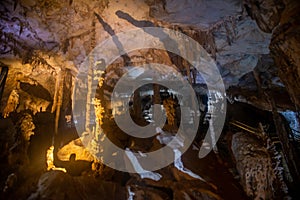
(50, 160)
(56, 90)
(59, 100)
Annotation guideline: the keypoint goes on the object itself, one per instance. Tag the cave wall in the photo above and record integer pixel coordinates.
(285, 48)
(282, 19)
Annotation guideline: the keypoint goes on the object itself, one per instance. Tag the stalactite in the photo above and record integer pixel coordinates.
(188, 70)
(90, 78)
(57, 83)
(89, 93)
(170, 110)
(59, 100)
(99, 110)
(137, 104)
(156, 94)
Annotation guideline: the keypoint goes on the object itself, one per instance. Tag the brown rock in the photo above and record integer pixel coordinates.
(285, 48)
(266, 13)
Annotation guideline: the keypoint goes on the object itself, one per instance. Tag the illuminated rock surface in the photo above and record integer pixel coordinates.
(256, 46)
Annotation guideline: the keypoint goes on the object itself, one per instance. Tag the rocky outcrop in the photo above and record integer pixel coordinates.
(75, 147)
(285, 48)
(282, 19)
(255, 166)
(252, 97)
(12, 103)
(266, 12)
(19, 101)
(183, 192)
(59, 185)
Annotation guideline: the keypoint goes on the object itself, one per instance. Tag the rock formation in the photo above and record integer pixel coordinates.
(47, 47)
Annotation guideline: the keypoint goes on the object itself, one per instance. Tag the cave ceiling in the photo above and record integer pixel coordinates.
(60, 34)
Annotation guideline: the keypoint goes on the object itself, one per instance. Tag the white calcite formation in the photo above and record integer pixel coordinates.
(254, 165)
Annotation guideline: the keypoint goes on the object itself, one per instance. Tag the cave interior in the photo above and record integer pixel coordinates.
(126, 99)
